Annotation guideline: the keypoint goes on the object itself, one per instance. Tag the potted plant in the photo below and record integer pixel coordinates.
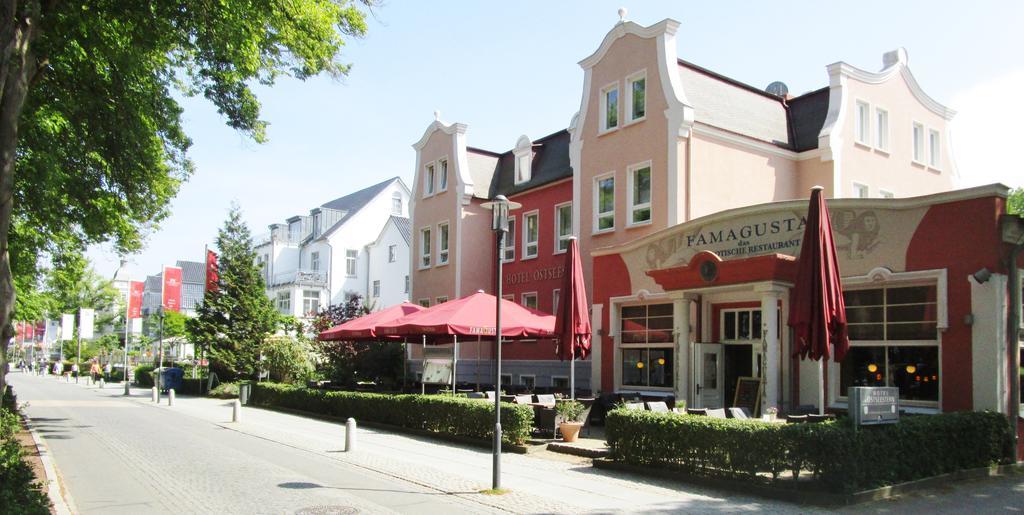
(571, 415)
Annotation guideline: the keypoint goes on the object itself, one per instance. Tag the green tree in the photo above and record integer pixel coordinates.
(91, 141)
(1015, 202)
(235, 319)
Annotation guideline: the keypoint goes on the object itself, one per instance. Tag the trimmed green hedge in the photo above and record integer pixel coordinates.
(144, 376)
(437, 413)
(840, 458)
(19, 490)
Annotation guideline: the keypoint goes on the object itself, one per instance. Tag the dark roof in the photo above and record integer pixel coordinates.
(550, 163)
(192, 272)
(404, 226)
(351, 204)
(806, 118)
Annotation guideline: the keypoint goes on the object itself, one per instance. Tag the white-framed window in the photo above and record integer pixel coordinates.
(860, 190)
(441, 300)
(396, 204)
(740, 325)
(524, 159)
(646, 345)
(314, 261)
(442, 243)
(406, 284)
(610, 107)
(640, 194)
(893, 341)
(531, 234)
(934, 149)
(881, 129)
(392, 253)
(376, 288)
(506, 379)
(556, 296)
(442, 175)
(918, 142)
(350, 262)
(428, 180)
(425, 247)
(604, 203)
(636, 96)
(886, 194)
(424, 302)
(862, 123)
(559, 382)
(310, 302)
(509, 297)
(563, 226)
(284, 302)
(528, 381)
(510, 241)
(529, 300)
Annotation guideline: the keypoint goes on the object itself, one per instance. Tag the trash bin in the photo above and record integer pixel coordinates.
(244, 389)
(171, 378)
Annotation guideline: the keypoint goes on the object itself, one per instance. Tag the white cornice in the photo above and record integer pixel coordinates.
(667, 26)
(747, 142)
(896, 65)
(990, 190)
(437, 125)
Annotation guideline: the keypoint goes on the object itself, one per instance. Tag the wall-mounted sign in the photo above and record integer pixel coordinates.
(874, 405)
(538, 274)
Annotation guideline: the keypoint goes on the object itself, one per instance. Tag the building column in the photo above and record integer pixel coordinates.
(684, 343)
(770, 296)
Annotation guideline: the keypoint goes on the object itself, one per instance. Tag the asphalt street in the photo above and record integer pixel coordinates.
(119, 456)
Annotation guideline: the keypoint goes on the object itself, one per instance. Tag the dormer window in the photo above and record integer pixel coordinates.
(396, 204)
(428, 180)
(442, 170)
(524, 159)
(610, 107)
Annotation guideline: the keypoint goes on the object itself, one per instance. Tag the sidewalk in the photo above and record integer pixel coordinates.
(542, 482)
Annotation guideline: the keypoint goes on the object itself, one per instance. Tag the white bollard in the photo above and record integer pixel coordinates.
(102, 383)
(170, 397)
(350, 435)
(236, 410)
(156, 395)
(68, 378)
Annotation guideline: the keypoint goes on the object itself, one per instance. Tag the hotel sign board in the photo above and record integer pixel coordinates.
(874, 405)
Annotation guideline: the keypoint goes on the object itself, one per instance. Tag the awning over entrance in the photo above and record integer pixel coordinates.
(707, 269)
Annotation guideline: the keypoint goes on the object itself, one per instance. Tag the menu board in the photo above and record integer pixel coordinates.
(436, 371)
(748, 394)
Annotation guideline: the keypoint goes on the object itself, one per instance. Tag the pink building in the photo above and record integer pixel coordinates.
(658, 143)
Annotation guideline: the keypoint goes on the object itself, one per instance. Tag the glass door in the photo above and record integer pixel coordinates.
(707, 375)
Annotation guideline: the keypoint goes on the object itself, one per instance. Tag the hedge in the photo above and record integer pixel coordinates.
(144, 375)
(436, 413)
(19, 491)
(841, 458)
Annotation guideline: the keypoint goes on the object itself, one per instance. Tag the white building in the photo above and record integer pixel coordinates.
(321, 258)
(388, 262)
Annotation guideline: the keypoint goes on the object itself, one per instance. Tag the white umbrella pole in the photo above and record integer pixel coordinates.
(821, 386)
(423, 367)
(478, 362)
(455, 363)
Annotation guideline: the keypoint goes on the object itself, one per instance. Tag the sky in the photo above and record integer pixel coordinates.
(510, 68)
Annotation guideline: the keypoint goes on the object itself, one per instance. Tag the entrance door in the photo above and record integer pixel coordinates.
(707, 375)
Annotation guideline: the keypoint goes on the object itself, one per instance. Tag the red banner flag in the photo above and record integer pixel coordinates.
(212, 271)
(135, 289)
(40, 331)
(30, 331)
(19, 330)
(171, 298)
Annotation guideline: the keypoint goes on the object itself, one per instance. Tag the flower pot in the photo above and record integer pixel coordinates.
(570, 430)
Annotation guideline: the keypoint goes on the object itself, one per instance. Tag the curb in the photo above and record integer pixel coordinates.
(62, 503)
(812, 497)
(575, 450)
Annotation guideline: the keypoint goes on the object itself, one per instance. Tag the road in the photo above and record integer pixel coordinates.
(127, 455)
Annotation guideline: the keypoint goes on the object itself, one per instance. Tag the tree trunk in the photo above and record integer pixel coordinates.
(18, 27)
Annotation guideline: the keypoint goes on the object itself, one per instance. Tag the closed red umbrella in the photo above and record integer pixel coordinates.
(473, 315)
(573, 323)
(817, 312)
(365, 327)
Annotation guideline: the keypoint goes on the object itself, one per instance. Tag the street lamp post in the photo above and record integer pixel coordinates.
(499, 207)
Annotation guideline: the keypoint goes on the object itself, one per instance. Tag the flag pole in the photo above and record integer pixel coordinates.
(127, 321)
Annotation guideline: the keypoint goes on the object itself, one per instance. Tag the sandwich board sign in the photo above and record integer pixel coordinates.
(871, 405)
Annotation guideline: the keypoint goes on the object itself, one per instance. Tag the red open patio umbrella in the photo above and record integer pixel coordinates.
(473, 315)
(817, 312)
(573, 323)
(365, 327)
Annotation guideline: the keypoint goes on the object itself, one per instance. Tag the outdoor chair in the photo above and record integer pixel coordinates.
(740, 413)
(717, 413)
(700, 412)
(547, 399)
(546, 420)
(588, 404)
(523, 399)
(796, 419)
(814, 417)
(658, 407)
(635, 405)
(476, 395)
(490, 394)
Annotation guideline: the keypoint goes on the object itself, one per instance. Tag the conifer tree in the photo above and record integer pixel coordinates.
(235, 319)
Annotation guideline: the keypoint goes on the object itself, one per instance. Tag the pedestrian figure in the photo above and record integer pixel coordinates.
(106, 371)
(74, 369)
(94, 371)
(57, 368)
